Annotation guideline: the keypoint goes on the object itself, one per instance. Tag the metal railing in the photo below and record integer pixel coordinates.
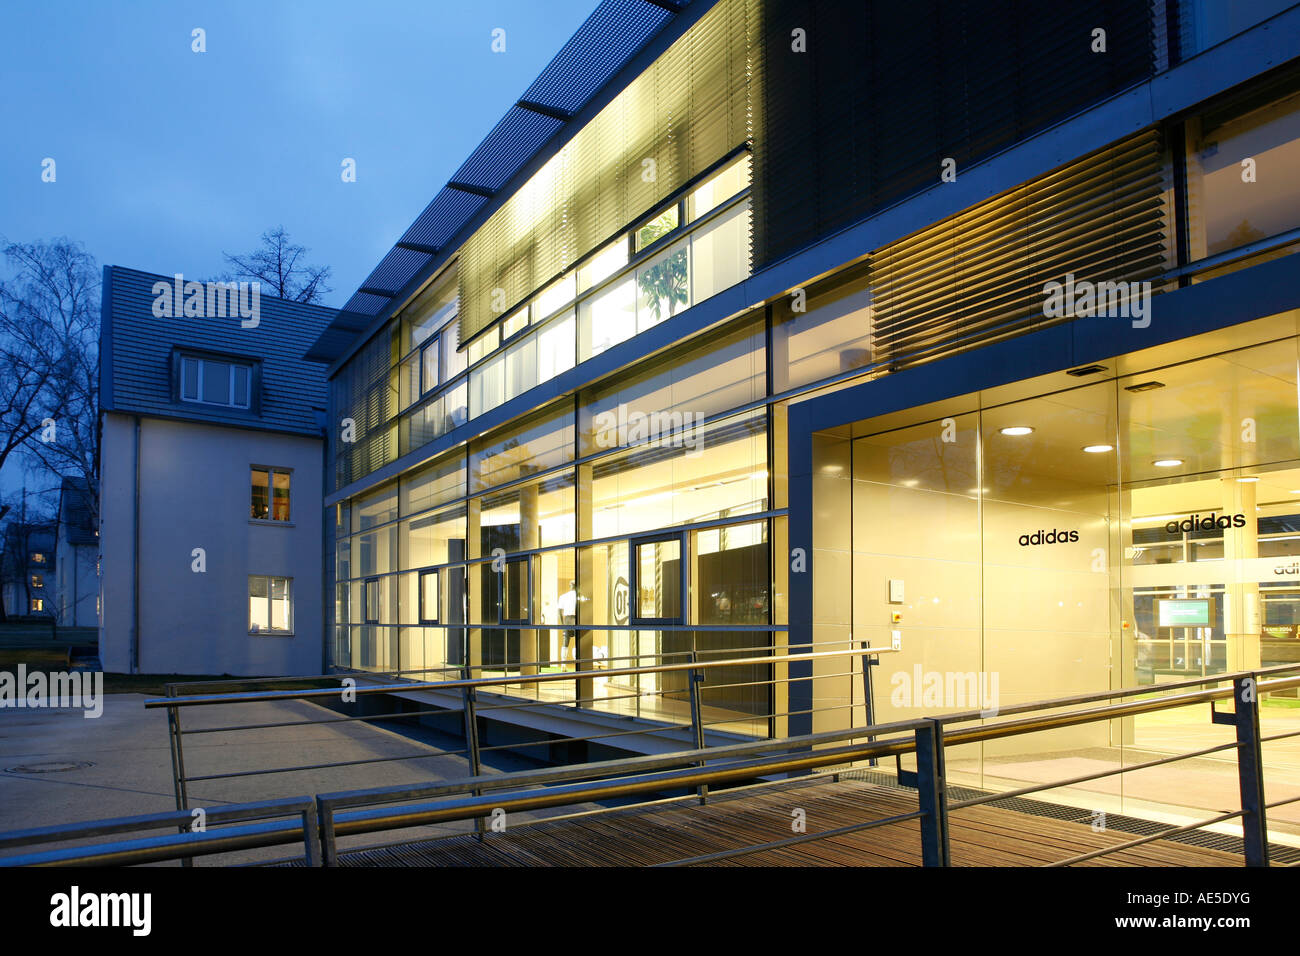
(928, 741)
(477, 797)
(472, 707)
(255, 825)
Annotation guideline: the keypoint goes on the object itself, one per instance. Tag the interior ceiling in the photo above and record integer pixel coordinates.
(1202, 414)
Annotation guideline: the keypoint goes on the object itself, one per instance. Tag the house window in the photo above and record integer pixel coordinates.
(38, 580)
(270, 494)
(38, 604)
(215, 382)
(270, 604)
(38, 557)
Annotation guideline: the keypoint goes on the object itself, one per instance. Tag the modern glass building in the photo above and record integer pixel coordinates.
(772, 324)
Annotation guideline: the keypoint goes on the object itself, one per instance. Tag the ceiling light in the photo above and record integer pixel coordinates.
(1144, 386)
(1086, 370)
(1167, 462)
(1247, 479)
(1016, 430)
(1098, 449)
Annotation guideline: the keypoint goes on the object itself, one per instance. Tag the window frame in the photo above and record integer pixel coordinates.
(254, 366)
(271, 472)
(288, 597)
(634, 578)
(437, 585)
(367, 606)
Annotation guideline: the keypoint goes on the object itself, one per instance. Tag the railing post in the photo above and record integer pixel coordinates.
(932, 796)
(696, 675)
(471, 743)
(1250, 771)
(174, 734)
(328, 841)
(311, 835)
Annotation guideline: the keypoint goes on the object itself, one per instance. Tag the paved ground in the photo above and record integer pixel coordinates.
(120, 764)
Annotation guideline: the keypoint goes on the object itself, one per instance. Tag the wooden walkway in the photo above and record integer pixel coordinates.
(979, 836)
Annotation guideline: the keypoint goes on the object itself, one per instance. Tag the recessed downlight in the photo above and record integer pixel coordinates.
(1098, 449)
(1016, 430)
(1167, 462)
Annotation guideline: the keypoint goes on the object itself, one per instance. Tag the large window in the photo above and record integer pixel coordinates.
(270, 494)
(215, 382)
(1240, 167)
(270, 604)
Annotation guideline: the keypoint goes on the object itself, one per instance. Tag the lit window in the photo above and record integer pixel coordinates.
(430, 361)
(214, 382)
(556, 296)
(651, 232)
(38, 604)
(602, 265)
(485, 344)
(370, 601)
(428, 597)
(38, 557)
(270, 500)
(712, 193)
(515, 323)
(270, 605)
(38, 580)
(610, 317)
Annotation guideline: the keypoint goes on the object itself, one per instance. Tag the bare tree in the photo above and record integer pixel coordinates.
(49, 330)
(49, 371)
(277, 265)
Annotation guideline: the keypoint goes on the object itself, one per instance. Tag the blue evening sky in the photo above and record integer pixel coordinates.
(166, 157)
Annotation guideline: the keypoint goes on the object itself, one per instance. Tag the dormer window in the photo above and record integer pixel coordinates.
(212, 381)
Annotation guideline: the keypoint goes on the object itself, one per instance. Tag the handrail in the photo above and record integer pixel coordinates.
(506, 681)
(252, 832)
(365, 811)
(664, 723)
(334, 824)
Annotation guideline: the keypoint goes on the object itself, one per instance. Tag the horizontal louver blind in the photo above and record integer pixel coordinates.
(885, 91)
(363, 394)
(685, 112)
(979, 276)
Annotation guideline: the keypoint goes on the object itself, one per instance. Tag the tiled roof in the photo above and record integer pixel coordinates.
(136, 349)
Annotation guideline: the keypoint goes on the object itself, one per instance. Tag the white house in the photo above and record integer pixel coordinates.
(211, 482)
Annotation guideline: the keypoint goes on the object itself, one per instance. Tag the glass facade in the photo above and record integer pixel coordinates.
(641, 517)
(1045, 539)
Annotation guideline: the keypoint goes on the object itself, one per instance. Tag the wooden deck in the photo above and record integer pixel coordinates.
(979, 836)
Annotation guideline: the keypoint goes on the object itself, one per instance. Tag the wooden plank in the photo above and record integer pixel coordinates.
(979, 836)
